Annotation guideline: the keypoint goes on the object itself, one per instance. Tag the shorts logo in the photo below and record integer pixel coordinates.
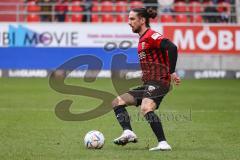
(151, 88)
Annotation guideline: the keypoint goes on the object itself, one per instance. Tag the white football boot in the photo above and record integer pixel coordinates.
(126, 137)
(162, 146)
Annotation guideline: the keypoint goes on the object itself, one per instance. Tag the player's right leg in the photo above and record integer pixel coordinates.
(123, 118)
(147, 108)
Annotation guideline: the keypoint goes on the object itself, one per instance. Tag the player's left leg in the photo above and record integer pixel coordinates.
(147, 108)
(119, 106)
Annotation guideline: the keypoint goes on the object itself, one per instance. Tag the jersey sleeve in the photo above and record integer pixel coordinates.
(172, 51)
(156, 39)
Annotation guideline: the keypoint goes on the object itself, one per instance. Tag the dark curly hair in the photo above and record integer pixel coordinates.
(146, 13)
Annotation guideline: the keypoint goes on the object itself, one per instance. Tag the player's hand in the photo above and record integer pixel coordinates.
(175, 78)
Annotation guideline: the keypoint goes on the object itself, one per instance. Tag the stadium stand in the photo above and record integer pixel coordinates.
(107, 6)
(195, 6)
(121, 18)
(166, 18)
(107, 18)
(33, 18)
(61, 10)
(181, 18)
(179, 11)
(10, 12)
(95, 18)
(196, 18)
(136, 4)
(180, 6)
(121, 6)
(33, 7)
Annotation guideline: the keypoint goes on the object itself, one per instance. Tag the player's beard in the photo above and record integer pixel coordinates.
(136, 30)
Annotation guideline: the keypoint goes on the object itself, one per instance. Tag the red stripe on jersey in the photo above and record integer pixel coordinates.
(156, 63)
(163, 65)
(153, 63)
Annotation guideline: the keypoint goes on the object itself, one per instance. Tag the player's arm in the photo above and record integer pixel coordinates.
(171, 48)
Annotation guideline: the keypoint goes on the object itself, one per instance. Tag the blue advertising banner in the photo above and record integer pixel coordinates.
(51, 58)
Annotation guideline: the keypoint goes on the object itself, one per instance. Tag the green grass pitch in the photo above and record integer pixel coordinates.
(200, 117)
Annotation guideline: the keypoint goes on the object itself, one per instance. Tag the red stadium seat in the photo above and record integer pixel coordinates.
(32, 7)
(61, 7)
(77, 18)
(207, 3)
(107, 6)
(155, 20)
(95, 18)
(136, 4)
(195, 7)
(196, 19)
(121, 6)
(181, 18)
(68, 19)
(76, 7)
(96, 7)
(107, 18)
(180, 7)
(166, 18)
(122, 18)
(33, 18)
(74, 18)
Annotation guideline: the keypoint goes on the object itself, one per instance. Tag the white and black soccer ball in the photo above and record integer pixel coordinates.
(94, 140)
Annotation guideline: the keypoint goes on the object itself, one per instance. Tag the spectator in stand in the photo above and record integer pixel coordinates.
(211, 14)
(46, 9)
(225, 15)
(224, 9)
(61, 10)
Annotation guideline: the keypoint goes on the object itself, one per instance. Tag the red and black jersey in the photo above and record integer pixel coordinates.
(153, 59)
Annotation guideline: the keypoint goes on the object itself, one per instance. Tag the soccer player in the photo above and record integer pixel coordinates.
(158, 57)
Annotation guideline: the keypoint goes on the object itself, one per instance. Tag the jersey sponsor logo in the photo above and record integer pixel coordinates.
(143, 45)
(156, 36)
(142, 55)
(150, 90)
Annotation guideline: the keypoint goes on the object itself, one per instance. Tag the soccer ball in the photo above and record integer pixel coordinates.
(94, 140)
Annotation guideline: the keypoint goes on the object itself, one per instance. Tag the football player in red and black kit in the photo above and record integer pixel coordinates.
(158, 57)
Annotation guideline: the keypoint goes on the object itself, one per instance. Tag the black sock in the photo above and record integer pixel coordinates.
(156, 125)
(123, 117)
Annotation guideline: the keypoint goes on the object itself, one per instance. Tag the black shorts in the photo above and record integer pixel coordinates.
(151, 90)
